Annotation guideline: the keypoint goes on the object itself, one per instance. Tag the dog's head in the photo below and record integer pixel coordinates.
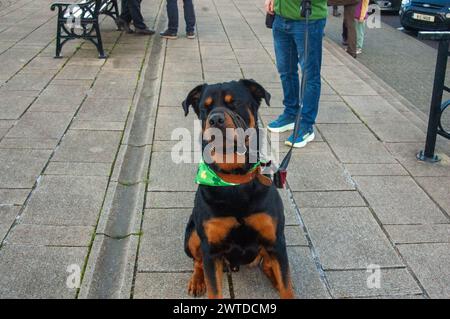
(230, 108)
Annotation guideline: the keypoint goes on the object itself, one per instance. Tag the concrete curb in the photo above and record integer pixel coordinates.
(110, 269)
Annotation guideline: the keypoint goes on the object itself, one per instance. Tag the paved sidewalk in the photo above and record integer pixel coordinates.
(86, 176)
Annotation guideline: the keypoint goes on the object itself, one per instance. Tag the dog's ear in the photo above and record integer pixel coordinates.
(256, 90)
(193, 99)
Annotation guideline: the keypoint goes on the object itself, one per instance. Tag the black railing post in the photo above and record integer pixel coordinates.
(436, 100)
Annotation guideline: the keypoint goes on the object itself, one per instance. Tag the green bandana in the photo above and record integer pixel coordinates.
(206, 176)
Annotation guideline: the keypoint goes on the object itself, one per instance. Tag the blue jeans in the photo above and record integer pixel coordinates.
(288, 38)
(131, 10)
(189, 15)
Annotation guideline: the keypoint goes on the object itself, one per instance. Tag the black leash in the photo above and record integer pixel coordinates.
(280, 176)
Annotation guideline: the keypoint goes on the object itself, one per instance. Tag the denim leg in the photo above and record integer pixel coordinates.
(125, 15)
(287, 64)
(172, 13)
(311, 68)
(189, 15)
(134, 6)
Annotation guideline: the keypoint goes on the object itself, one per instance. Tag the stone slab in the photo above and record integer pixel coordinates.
(88, 146)
(21, 168)
(329, 199)
(354, 143)
(78, 169)
(12, 105)
(170, 200)
(167, 286)
(354, 283)
(41, 125)
(106, 110)
(406, 153)
(335, 112)
(251, 282)
(13, 196)
(429, 262)
(295, 236)
(398, 200)
(29, 143)
(38, 272)
(43, 235)
(66, 201)
(162, 242)
(438, 189)
(418, 234)
(348, 238)
(376, 170)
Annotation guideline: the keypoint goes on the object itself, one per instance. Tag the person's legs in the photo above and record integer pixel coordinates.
(287, 63)
(172, 13)
(344, 33)
(189, 16)
(125, 15)
(311, 66)
(134, 6)
(360, 28)
(349, 19)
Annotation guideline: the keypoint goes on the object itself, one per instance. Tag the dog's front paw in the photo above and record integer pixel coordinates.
(196, 286)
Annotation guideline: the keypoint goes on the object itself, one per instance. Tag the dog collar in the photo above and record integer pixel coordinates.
(206, 176)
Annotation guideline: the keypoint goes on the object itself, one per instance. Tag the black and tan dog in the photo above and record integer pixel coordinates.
(234, 225)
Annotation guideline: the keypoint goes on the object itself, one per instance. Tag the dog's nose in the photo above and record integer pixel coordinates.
(217, 120)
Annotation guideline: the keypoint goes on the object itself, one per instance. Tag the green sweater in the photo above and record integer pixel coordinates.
(290, 9)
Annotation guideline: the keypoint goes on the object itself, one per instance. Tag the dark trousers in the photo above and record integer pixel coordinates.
(131, 10)
(348, 28)
(189, 15)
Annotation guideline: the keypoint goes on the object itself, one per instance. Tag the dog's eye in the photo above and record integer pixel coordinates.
(228, 98)
(208, 102)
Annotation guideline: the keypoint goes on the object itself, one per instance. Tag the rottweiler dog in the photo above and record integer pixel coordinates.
(240, 224)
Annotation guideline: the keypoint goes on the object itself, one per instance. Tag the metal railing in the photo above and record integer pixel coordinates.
(435, 125)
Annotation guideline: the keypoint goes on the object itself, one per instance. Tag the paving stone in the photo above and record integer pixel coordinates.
(29, 143)
(354, 283)
(375, 169)
(357, 240)
(170, 200)
(329, 199)
(370, 106)
(295, 236)
(418, 234)
(71, 72)
(66, 201)
(174, 93)
(38, 272)
(88, 146)
(107, 110)
(161, 180)
(290, 212)
(13, 196)
(28, 82)
(391, 128)
(78, 169)
(336, 112)
(398, 200)
(97, 126)
(345, 82)
(166, 124)
(252, 283)
(41, 125)
(167, 285)
(42, 235)
(317, 172)
(13, 104)
(438, 188)
(429, 262)
(355, 144)
(405, 153)
(60, 98)
(162, 242)
(7, 216)
(20, 168)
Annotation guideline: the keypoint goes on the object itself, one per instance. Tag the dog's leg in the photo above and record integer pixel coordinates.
(196, 286)
(213, 268)
(276, 267)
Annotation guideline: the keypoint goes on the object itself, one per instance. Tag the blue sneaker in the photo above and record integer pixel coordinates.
(282, 124)
(304, 137)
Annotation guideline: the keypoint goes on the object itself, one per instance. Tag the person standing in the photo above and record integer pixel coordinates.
(288, 34)
(189, 17)
(360, 23)
(348, 26)
(131, 11)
